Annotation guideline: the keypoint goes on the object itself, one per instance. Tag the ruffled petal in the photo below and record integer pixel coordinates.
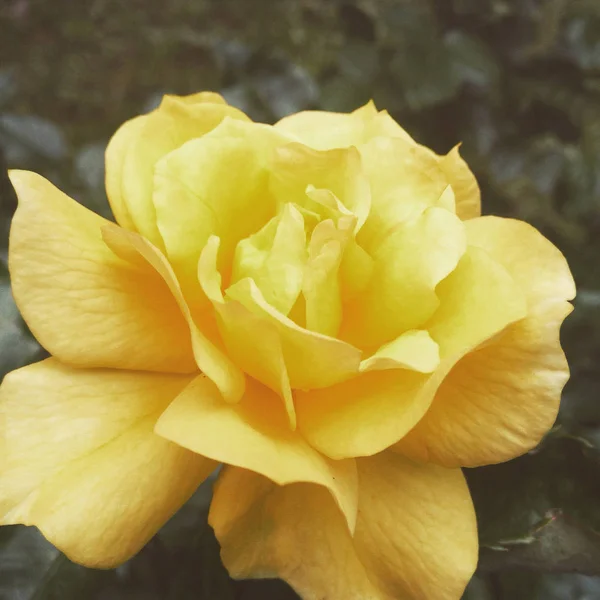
(140, 143)
(297, 167)
(499, 400)
(366, 414)
(408, 265)
(415, 350)
(536, 264)
(325, 131)
(415, 537)
(254, 435)
(81, 462)
(207, 350)
(228, 164)
(85, 305)
(463, 182)
(311, 360)
(405, 179)
(274, 258)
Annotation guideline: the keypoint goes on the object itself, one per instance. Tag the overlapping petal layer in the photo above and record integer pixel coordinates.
(81, 462)
(139, 144)
(415, 535)
(325, 131)
(500, 399)
(85, 305)
(254, 435)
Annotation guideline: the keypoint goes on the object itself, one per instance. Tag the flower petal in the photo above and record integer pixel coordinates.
(254, 435)
(274, 258)
(313, 360)
(408, 265)
(477, 301)
(500, 400)
(325, 131)
(228, 164)
(296, 167)
(536, 264)
(414, 350)
(415, 537)
(81, 462)
(405, 179)
(140, 143)
(463, 182)
(209, 357)
(366, 414)
(85, 305)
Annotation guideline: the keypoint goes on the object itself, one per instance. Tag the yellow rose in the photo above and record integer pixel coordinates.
(316, 304)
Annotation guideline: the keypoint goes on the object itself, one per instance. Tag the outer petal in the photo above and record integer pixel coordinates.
(207, 352)
(536, 264)
(85, 305)
(138, 145)
(325, 131)
(415, 537)
(463, 182)
(366, 414)
(500, 400)
(254, 435)
(81, 462)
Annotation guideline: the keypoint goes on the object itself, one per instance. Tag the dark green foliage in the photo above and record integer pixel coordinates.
(517, 81)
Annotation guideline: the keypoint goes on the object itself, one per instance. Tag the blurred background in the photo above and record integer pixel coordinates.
(517, 81)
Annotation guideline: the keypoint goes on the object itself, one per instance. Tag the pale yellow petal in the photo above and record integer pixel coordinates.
(500, 400)
(464, 184)
(408, 265)
(415, 538)
(366, 127)
(297, 167)
(115, 154)
(366, 414)
(536, 264)
(85, 305)
(324, 130)
(413, 350)
(254, 435)
(313, 360)
(321, 287)
(240, 329)
(81, 462)
(274, 258)
(405, 179)
(209, 356)
(477, 301)
(215, 185)
(139, 144)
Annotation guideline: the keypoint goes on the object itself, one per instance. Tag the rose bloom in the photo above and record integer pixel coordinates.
(319, 306)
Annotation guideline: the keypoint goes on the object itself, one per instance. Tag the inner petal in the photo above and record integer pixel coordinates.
(408, 265)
